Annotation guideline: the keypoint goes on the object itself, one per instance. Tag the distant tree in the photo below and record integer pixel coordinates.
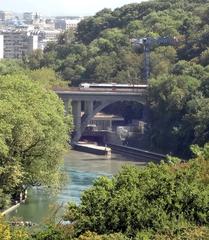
(198, 119)
(9, 66)
(35, 59)
(162, 60)
(204, 57)
(66, 37)
(101, 51)
(46, 77)
(89, 28)
(169, 95)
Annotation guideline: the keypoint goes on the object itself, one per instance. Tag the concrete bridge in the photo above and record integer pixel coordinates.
(94, 101)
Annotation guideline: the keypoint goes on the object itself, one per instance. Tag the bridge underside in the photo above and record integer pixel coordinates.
(93, 103)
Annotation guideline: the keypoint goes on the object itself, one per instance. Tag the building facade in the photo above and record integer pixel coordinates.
(5, 15)
(1, 46)
(46, 36)
(67, 24)
(31, 17)
(17, 43)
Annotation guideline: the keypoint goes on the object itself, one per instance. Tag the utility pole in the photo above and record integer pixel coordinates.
(147, 43)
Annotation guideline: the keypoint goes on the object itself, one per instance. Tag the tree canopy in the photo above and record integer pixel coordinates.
(33, 135)
(101, 51)
(166, 201)
(154, 202)
(107, 35)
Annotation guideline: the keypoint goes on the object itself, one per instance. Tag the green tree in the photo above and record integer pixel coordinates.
(169, 95)
(11, 66)
(34, 60)
(198, 120)
(46, 77)
(33, 134)
(101, 51)
(9, 233)
(162, 60)
(158, 199)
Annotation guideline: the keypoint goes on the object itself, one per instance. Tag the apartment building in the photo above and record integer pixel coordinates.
(66, 24)
(17, 43)
(5, 15)
(45, 36)
(31, 17)
(1, 47)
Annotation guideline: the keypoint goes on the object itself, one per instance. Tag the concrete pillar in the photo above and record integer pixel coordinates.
(76, 111)
(67, 105)
(89, 107)
(110, 125)
(145, 114)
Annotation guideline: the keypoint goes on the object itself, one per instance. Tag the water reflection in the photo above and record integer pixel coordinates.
(82, 169)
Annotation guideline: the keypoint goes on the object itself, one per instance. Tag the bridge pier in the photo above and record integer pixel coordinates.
(76, 111)
(88, 107)
(146, 112)
(94, 102)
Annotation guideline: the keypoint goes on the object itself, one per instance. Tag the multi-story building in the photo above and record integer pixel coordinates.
(18, 43)
(45, 36)
(72, 23)
(1, 47)
(30, 17)
(5, 15)
(66, 24)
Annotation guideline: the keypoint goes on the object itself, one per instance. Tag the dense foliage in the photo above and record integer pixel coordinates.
(9, 233)
(168, 201)
(33, 135)
(157, 200)
(101, 51)
(165, 201)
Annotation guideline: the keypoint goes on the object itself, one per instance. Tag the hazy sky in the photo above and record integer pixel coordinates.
(60, 7)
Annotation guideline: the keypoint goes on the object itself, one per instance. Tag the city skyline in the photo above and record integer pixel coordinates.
(62, 7)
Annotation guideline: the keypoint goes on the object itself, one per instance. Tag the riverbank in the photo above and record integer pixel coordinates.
(92, 148)
(81, 170)
(10, 209)
(22, 196)
(139, 154)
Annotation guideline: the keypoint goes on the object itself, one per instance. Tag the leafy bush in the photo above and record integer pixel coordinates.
(157, 199)
(9, 233)
(33, 135)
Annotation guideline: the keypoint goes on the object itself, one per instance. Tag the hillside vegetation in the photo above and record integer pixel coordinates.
(101, 51)
(168, 201)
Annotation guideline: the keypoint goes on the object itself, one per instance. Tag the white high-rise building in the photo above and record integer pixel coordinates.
(1, 46)
(17, 43)
(5, 15)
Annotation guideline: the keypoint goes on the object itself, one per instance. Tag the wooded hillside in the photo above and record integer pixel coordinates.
(101, 50)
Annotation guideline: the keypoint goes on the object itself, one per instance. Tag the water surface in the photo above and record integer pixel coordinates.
(81, 170)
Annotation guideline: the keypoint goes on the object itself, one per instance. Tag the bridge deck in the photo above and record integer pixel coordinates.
(95, 100)
(78, 89)
(89, 91)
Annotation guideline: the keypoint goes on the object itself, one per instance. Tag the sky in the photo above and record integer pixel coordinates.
(62, 7)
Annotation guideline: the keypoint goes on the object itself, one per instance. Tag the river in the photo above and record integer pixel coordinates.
(81, 170)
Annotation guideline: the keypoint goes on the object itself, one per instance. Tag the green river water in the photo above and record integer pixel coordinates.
(81, 170)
